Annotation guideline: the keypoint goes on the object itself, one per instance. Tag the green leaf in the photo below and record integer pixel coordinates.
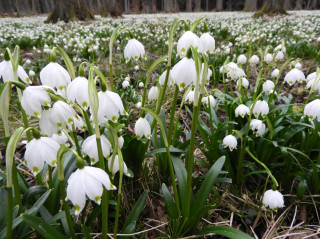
(206, 187)
(86, 232)
(163, 150)
(225, 231)
(5, 95)
(135, 213)
(31, 192)
(170, 205)
(42, 227)
(302, 188)
(3, 207)
(181, 174)
(68, 62)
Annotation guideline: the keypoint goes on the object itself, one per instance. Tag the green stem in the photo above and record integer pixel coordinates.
(75, 138)
(50, 176)
(10, 213)
(172, 116)
(66, 209)
(16, 188)
(111, 77)
(25, 121)
(86, 118)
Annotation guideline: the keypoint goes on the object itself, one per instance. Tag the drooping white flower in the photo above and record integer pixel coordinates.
(209, 74)
(187, 39)
(110, 107)
(141, 84)
(116, 168)
(281, 48)
(190, 97)
(298, 66)
(230, 141)
(261, 107)
(273, 199)
(88, 181)
(207, 99)
(268, 58)
(234, 71)
(206, 43)
(243, 81)
(254, 60)
(294, 75)
(242, 59)
(153, 94)
(312, 110)
(242, 110)
(134, 49)
(311, 76)
(89, 147)
(125, 84)
(120, 142)
(258, 127)
(32, 73)
(314, 84)
(279, 56)
(6, 72)
(77, 92)
(142, 128)
(62, 114)
(162, 79)
(47, 125)
(139, 104)
(275, 73)
(55, 76)
(60, 139)
(39, 151)
(268, 86)
(184, 73)
(136, 67)
(32, 100)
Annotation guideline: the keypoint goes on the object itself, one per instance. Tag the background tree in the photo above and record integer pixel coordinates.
(250, 6)
(272, 7)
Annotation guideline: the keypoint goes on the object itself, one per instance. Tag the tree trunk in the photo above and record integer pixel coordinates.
(135, 7)
(298, 5)
(189, 6)
(154, 6)
(207, 5)
(146, 7)
(288, 5)
(219, 5)
(70, 10)
(271, 7)
(250, 6)
(197, 5)
(23, 7)
(312, 4)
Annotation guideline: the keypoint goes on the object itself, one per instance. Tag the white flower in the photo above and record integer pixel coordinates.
(39, 151)
(268, 58)
(187, 39)
(230, 141)
(293, 76)
(134, 49)
(233, 71)
(227, 51)
(184, 73)
(62, 114)
(139, 104)
(55, 76)
(120, 142)
(6, 72)
(279, 56)
(127, 78)
(254, 60)
(275, 73)
(268, 86)
(281, 48)
(136, 67)
(242, 110)
(258, 127)
(206, 100)
(190, 97)
(77, 92)
(207, 43)
(162, 79)
(273, 199)
(153, 93)
(209, 74)
(47, 126)
(298, 65)
(60, 139)
(32, 73)
(261, 107)
(312, 110)
(125, 84)
(244, 82)
(32, 100)
(141, 84)
(89, 147)
(242, 59)
(110, 106)
(115, 167)
(142, 128)
(87, 181)
(311, 76)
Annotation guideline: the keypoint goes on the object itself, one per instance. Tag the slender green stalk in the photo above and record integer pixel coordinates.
(16, 188)
(50, 176)
(111, 77)
(75, 138)
(10, 213)
(86, 118)
(172, 116)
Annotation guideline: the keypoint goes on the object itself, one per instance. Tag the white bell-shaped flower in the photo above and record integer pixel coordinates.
(294, 75)
(187, 39)
(184, 73)
(281, 48)
(230, 141)
(142, 128)
(315, 84)
(243, 81)
(55, 76)
(275, 73)
(60, 139)
(298, 65)
(88, 181)
(206, 43)
(268, 58)
(39, 151)
(77, 92)
(120, 142)
(89, 147)
(6, 72)
(234, 71)
(242, 59)
(258, 127)
(134, 49)
(279, 56)
(312, 110)
(116, 168)
(207, 99)
(47, 125)
(254, 60)
(190, 97)
(311, 76)
(261, 107)
(242, 110)
(209, 74)
(125, 84)
(162, 79)
(273, 199)
(110, 107)
(268, 86)
(32, 100)
(62, 114)
(153, 94)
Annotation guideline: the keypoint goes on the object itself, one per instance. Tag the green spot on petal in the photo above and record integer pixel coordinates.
(114, 118)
